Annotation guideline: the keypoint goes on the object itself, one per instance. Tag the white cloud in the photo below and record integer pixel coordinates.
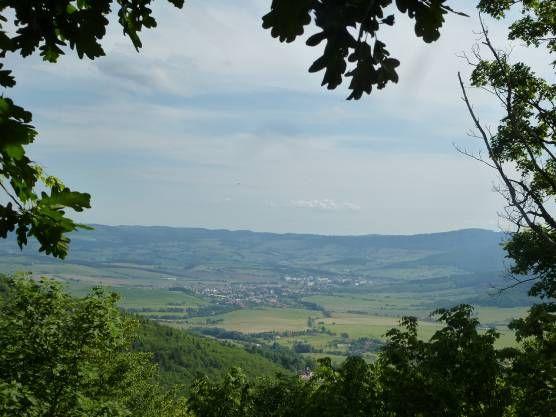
(325, 204)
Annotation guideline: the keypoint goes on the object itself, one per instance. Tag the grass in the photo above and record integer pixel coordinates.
(372, 326)
(359, 325)
(320, 341)
(499, 315)
(506, 339)
(335, 359)
(375, 304)
(156, 298)
(259, 320)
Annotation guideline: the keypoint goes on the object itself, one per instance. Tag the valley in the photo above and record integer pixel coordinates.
(317, 295)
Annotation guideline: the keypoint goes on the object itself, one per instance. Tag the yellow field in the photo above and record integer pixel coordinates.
(262, 320)
(499, 315)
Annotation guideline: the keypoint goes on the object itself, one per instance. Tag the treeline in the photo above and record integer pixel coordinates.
(198, 311)
(309, 305)
(287, 358)
(62, 356)
(457, 373)
(364, 345)
(182, 356)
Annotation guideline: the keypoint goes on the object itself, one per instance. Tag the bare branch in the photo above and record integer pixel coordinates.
(512, 193)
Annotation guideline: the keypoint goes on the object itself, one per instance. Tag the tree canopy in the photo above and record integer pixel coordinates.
(62, 356)
(522, 147)
(350, 32)
(458, 372)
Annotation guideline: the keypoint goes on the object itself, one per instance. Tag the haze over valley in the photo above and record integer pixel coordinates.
(321, 295)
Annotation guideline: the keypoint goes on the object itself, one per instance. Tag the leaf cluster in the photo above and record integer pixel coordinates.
(70, 357)
(37, 204)
(522, 147)
(537, 24)
(349, 31)
(458, 372)
(455, 373)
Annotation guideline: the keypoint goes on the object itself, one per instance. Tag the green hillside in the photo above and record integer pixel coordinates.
(182, 356)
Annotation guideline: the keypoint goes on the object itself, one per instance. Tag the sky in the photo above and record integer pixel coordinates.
(216, 124)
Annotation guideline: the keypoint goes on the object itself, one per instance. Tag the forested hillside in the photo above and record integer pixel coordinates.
(183, 356)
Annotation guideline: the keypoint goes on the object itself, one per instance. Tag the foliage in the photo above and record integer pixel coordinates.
(458, 372)
(281, 355)
(522, 149)
(346, 391)
(351, 389)
(182, 356)
(230, 398)
(532, 375)
(302, 347)
(31, 212)
(537, 24)
(349, 30)
(65, 356)
(363, 345)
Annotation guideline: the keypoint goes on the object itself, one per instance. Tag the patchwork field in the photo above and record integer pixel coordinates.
(319, 295)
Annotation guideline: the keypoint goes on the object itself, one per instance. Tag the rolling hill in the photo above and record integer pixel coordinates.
(182, 356)
(200, 253)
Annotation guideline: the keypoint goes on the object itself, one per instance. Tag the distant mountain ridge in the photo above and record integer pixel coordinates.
(191, 251)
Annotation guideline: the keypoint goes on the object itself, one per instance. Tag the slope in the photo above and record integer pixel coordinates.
(183, 356)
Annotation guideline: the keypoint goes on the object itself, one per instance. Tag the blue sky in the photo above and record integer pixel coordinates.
(215, 124)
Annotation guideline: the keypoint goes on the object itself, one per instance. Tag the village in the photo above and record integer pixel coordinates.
(279, 294)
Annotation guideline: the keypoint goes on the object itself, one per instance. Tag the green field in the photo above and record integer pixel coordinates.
(257, 320)
(156, 298)
(498, 316)
(380, 304)
(137, 298)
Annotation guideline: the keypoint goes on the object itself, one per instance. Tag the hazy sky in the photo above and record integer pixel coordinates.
(216, 124)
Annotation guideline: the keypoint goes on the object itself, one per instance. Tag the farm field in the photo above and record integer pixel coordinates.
(258, 320)
(379, 304)
(318, 295)
(364, 315)
(498, 316)
(342, 318)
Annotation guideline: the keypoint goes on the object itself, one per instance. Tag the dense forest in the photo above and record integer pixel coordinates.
(183, 356)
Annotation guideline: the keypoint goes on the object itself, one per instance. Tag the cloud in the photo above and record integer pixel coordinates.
(214, 110)
(325, 204)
